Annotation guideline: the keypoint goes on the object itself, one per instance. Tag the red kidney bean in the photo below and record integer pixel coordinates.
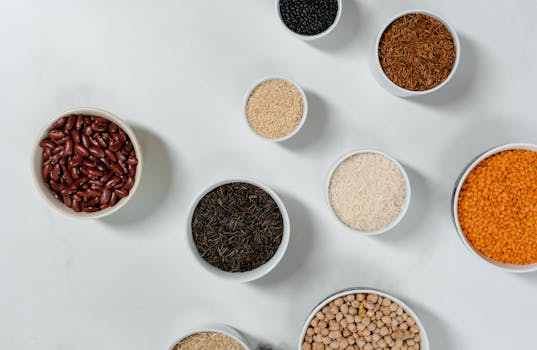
(96, 183)
(99, 126)
(121, 157)
(87, 120)
(81, 150)
(90, 163)
(47, 144)
(56, 134)
(116, 169)
(67, 201)
(88, 131)
(105, 162)
(93, 201)
(121, 192)
(116, 146)
(85, 141)
(122, 136)
(90, 209)
(113, 199)
(105, 196)
(132, 160)
(79, 122)
(71, 120)
(97, 152)
(45, 171)
(112, 182)
(112, 128)
(69, 145)
(132, 170)
(46, 153)
(110, 155)
(129, 183)
(59, 123)
(75, 134)
(94, 142)
(95, 173)
(93, 193)
(55, 158)
(100, 141)
(75, 205)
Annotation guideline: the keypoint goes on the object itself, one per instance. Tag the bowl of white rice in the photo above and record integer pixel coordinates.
(368, 191)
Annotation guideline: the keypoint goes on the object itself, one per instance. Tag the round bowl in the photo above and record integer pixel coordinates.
(406, 204)
(424, 344)
(304, 112)
(37, 165)
(455, 203)
(217, 328)
(389, 85)
(310, 37)
(246, 276)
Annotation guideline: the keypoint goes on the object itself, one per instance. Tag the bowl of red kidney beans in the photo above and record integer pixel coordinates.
(87, 163)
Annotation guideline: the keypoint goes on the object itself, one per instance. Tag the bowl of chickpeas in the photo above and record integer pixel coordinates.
(362, 319)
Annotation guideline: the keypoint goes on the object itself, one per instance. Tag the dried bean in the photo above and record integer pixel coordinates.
(88, 163)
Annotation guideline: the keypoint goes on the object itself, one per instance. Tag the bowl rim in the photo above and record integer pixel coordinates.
(455, 201)
(310, 37)
(406, 203)
(424, 343)
(36, 162)
(246, 276)
(304, 108)
(456, 41)
(215, 328)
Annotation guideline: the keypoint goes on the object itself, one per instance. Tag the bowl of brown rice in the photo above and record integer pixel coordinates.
(275, 108)
(214, 337)
(368, 191)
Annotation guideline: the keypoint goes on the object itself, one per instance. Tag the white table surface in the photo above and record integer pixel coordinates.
(177, 71)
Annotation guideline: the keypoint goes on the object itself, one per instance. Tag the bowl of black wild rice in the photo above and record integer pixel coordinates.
(238, 229)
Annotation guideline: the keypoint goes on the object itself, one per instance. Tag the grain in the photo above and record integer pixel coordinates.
(208, 341)
(237, 227)
(497, 207)
(367, 191)
(275, 108)
(417, 52)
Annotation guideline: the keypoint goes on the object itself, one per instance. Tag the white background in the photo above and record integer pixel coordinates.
(177, 71)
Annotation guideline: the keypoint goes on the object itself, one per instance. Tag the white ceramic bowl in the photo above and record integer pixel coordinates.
(37, 165)
(310, 37)
(424, 345)
(405, 204)
(304, 112)
(246, 276)
(389, 85)
(217, 328)
(455, 203)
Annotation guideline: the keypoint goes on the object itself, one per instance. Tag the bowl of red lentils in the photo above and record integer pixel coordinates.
(362, 319)
(87, 163)
(494, 207)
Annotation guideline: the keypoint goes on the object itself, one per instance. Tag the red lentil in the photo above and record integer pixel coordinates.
(497, 207)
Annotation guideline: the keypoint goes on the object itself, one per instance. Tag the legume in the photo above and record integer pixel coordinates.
(497, 207)
(89, 163)
(308, 17)
(362, 322)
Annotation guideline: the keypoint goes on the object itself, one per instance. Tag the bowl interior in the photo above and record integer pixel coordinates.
(455, 41)
(37, 165)
(311, 37)
(247, 275)
(404, 208)
(304, 111)
(455, 202)
(424, 339)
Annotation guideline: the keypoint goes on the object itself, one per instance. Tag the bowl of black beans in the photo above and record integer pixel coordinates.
(87, 163)
(309, 19)
(238, 229)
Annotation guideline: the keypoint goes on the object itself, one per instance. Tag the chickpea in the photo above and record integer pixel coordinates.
(333, 345)
(353, 310)
(339, 316)
(325, 332)
(319, 315)
(306, 346)
(318, 346)
(310, 331)
(346, 333)
(338, 302)
(368, 346)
